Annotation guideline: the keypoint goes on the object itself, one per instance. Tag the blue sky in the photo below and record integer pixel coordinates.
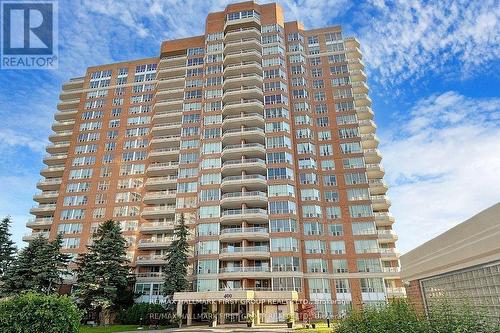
(433, 71)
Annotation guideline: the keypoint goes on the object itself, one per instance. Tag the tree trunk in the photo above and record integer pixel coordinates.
(105, 317)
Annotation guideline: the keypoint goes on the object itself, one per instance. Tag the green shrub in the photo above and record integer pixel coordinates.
(399, 317)
(37, 313)
(150, 314)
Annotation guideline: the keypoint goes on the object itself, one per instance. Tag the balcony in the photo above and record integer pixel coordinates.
(53, 171)
(249, 252)
(43, 209)
(165, 141)
(243, 67)
(162, 169)
(353, 52)
(359, 87)
(57, 148)
(68, 104)
(235, 199)
(250, 150)
(251, 215)
(54, 159)
(61, 136)
(243, 93)
(156, 227)
(172, 72)
(65, 115)
(70, 94)
(172, 93)
(166, 117)
(243, 106)
(31, 236)
(357, 75)
(63, 125)
(362, 100)
(167, 129)
(46, 196)
(369, 141)
(171, 82)
(239, 56)
(247, 79)
(395, 292)
(149, 277)
(377, 186)
(250, 165)
(385, 236)
(238, 234)
(40, 222)
(389, 253)
(233, 44)
(49, 184)
(172, 61)
(250, 182)
(372, 156)
(375, 170)
(158, 211)
(380, 202)
(163, 154)
(253, 119)
(161, 183)
(367, 126)
(235, 34)
(150, 260)
(159, 197)
(355, 63)
(252, 20)
(391, 272)
(252, 134)
(249, 271)
(168, 105)
(383, 219)
(364, 112)
(74, 83)
(153, 244)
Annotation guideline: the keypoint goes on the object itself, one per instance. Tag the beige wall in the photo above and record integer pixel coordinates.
(473, 242)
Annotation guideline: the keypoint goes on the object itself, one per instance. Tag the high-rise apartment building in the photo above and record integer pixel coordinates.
(261, 133)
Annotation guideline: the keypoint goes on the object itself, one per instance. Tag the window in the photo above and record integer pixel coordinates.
(366, 246)
(284, 244)
(313, 228)
(336, 229)
(285, 264)
(333, 213)
(360, 211)
(316, 266)
(363, 228)
(369, 265)
(207, 247)
(337, 247)
(340, 266)
(283, 225)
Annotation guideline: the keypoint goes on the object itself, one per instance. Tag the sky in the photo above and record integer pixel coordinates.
(433, 72)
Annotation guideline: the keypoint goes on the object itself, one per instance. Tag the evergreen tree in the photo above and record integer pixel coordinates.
(177, 261)
(40, 267)
(7, 247)
(103, 272)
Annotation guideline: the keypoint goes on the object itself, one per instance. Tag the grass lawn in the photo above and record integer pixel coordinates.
(111, 329)
(320, 328)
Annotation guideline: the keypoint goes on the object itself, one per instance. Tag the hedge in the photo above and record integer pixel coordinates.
(149, 312)
(37, 313)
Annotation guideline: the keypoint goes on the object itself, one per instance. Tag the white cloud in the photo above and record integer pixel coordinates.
(408, 40)
(442, 164)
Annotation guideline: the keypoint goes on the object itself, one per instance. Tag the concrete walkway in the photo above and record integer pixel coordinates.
(224, 329)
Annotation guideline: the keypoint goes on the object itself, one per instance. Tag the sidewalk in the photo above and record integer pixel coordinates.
(223, 329)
